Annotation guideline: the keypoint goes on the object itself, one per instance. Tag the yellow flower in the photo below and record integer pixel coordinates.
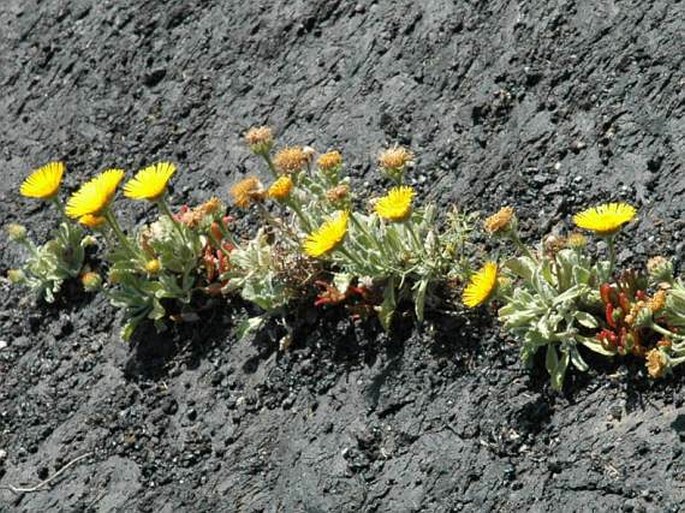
(499, 222)
(246, 191)
(481, 286)
(44, 182)
(330, 161)
(153, 266)
(91, 221)
(396, 205)
(328, 236)
(281, 188)
(605, 219)
(290, 160)
(151, 182)
(95, 195)
(576, 241)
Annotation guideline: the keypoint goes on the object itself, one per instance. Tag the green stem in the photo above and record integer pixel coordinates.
(60, 207)
(345, 252)
(612, 256)
(292, 203)
(666, 333)
(521, 246)
(279, 225)
(414, 236)
(30, 246)
(116, 228)
(270, 164)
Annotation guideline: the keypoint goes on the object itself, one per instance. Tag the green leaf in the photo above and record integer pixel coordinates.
(420, 289)
(586, 320)
(387, 308)
(249, 326)
(560, 372)
(551, 360)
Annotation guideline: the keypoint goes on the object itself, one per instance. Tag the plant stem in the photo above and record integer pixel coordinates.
(292, 203)
(612, 255)
(665, 332)
(60, 206)
(521, 246)
(356, 262)
(116, 228)
(270, 164)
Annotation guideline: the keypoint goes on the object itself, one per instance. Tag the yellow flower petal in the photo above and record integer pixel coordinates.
(95, 195)
(44, 182)
(481, 286)
(328, 236)
(151, 182)
(605, 219)
(281, 188)
(396, 205)
(91, 221)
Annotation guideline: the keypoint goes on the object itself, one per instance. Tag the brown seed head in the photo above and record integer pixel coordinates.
(500, 222)
(338, 193)
(396, 158)
(660, 268)
(330, 161)
(657, 363)
(246, 191)
(291, 160)
(260, 139)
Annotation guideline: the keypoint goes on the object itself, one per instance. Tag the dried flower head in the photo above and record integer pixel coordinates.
(91, 281)
(553, 244)
(658, 301)
(246, 191)
(16, 232)
(44, 182)
(657, 363)
(605, 219)
(260, 139)
(92, 221)
(281, 188)
(150, 183)
(95, 195)
(290, 160)
(481, 286)
(328, 236)
(500, 222)
(396, 205)
(153, 266)
(396, 157)
(576, 240)
(330, 161)
(338, 193)
(193, 217)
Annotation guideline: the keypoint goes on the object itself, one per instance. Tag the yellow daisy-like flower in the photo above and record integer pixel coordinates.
(328, 236)
(246, 191)
(605, 219)
(91, 221)
(396, 205)
(151, 182)
(94, 195)
(44, 182)
(281, 188)
(481, 286)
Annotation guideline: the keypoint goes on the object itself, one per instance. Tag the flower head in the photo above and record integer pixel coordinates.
(328, 236)
(329, 161)
(44, 182)
(151, 182)
(16, 276)
(338, 193)
(91, 281)
(92, 221)
(481, 286)
(576, 240)
(658, 301)
(657, 363)
(396, 205)
(290, 160)
(16, 232)
(246, 191)
(94, 195)
(660, 268)
(395, 160)
(281, 188)
(153, 266)
(500, 222)
(260, 139)
(605, 219)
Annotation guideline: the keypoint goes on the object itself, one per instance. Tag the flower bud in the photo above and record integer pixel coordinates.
(394, 161)
(153, 266)
(660, 269)
(16, 232)
(576, 241)
(91, 281)
(88, 241)
(16, 276)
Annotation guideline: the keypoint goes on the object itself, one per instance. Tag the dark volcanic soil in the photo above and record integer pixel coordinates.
(545, 105)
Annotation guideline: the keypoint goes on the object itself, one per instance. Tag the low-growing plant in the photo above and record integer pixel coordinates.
(62, 257)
